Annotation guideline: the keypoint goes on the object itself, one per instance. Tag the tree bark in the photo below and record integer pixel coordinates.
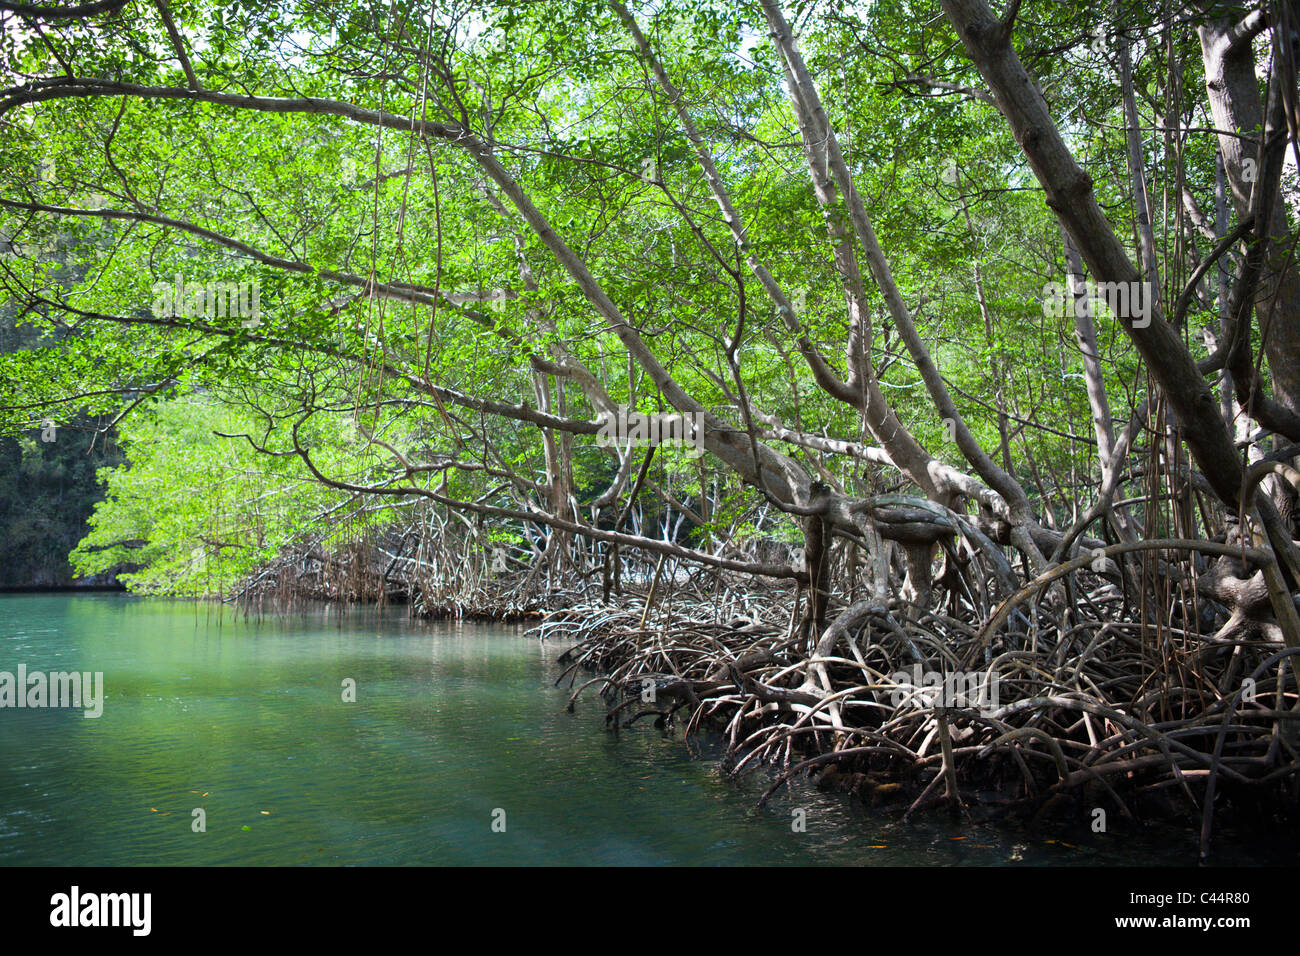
(1238, 111)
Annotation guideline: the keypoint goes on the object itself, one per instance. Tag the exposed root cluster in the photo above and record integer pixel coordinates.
(1068, 707)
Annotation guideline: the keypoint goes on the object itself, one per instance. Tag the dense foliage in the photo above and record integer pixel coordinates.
(354, 164)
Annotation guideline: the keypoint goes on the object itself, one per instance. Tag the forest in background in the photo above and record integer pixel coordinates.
(985, 321)
(48, 489)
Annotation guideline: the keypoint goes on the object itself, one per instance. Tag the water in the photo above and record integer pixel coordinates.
(245, 720)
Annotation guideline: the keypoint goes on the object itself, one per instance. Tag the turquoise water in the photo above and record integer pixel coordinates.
(454, 727)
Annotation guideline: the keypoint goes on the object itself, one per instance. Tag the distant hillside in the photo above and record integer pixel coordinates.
(47, 490)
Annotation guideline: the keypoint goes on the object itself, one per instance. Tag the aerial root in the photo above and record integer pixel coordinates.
(1060, 712)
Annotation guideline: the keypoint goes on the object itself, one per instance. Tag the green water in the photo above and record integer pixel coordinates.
(245, 719)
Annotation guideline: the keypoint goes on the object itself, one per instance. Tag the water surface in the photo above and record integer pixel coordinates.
(453, 727)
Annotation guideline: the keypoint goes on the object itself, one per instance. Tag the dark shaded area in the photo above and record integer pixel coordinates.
(47, 491)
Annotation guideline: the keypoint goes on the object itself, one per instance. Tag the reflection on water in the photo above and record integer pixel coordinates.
(453, 726)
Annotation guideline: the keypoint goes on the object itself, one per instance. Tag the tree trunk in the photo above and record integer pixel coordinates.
(1238, 110)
